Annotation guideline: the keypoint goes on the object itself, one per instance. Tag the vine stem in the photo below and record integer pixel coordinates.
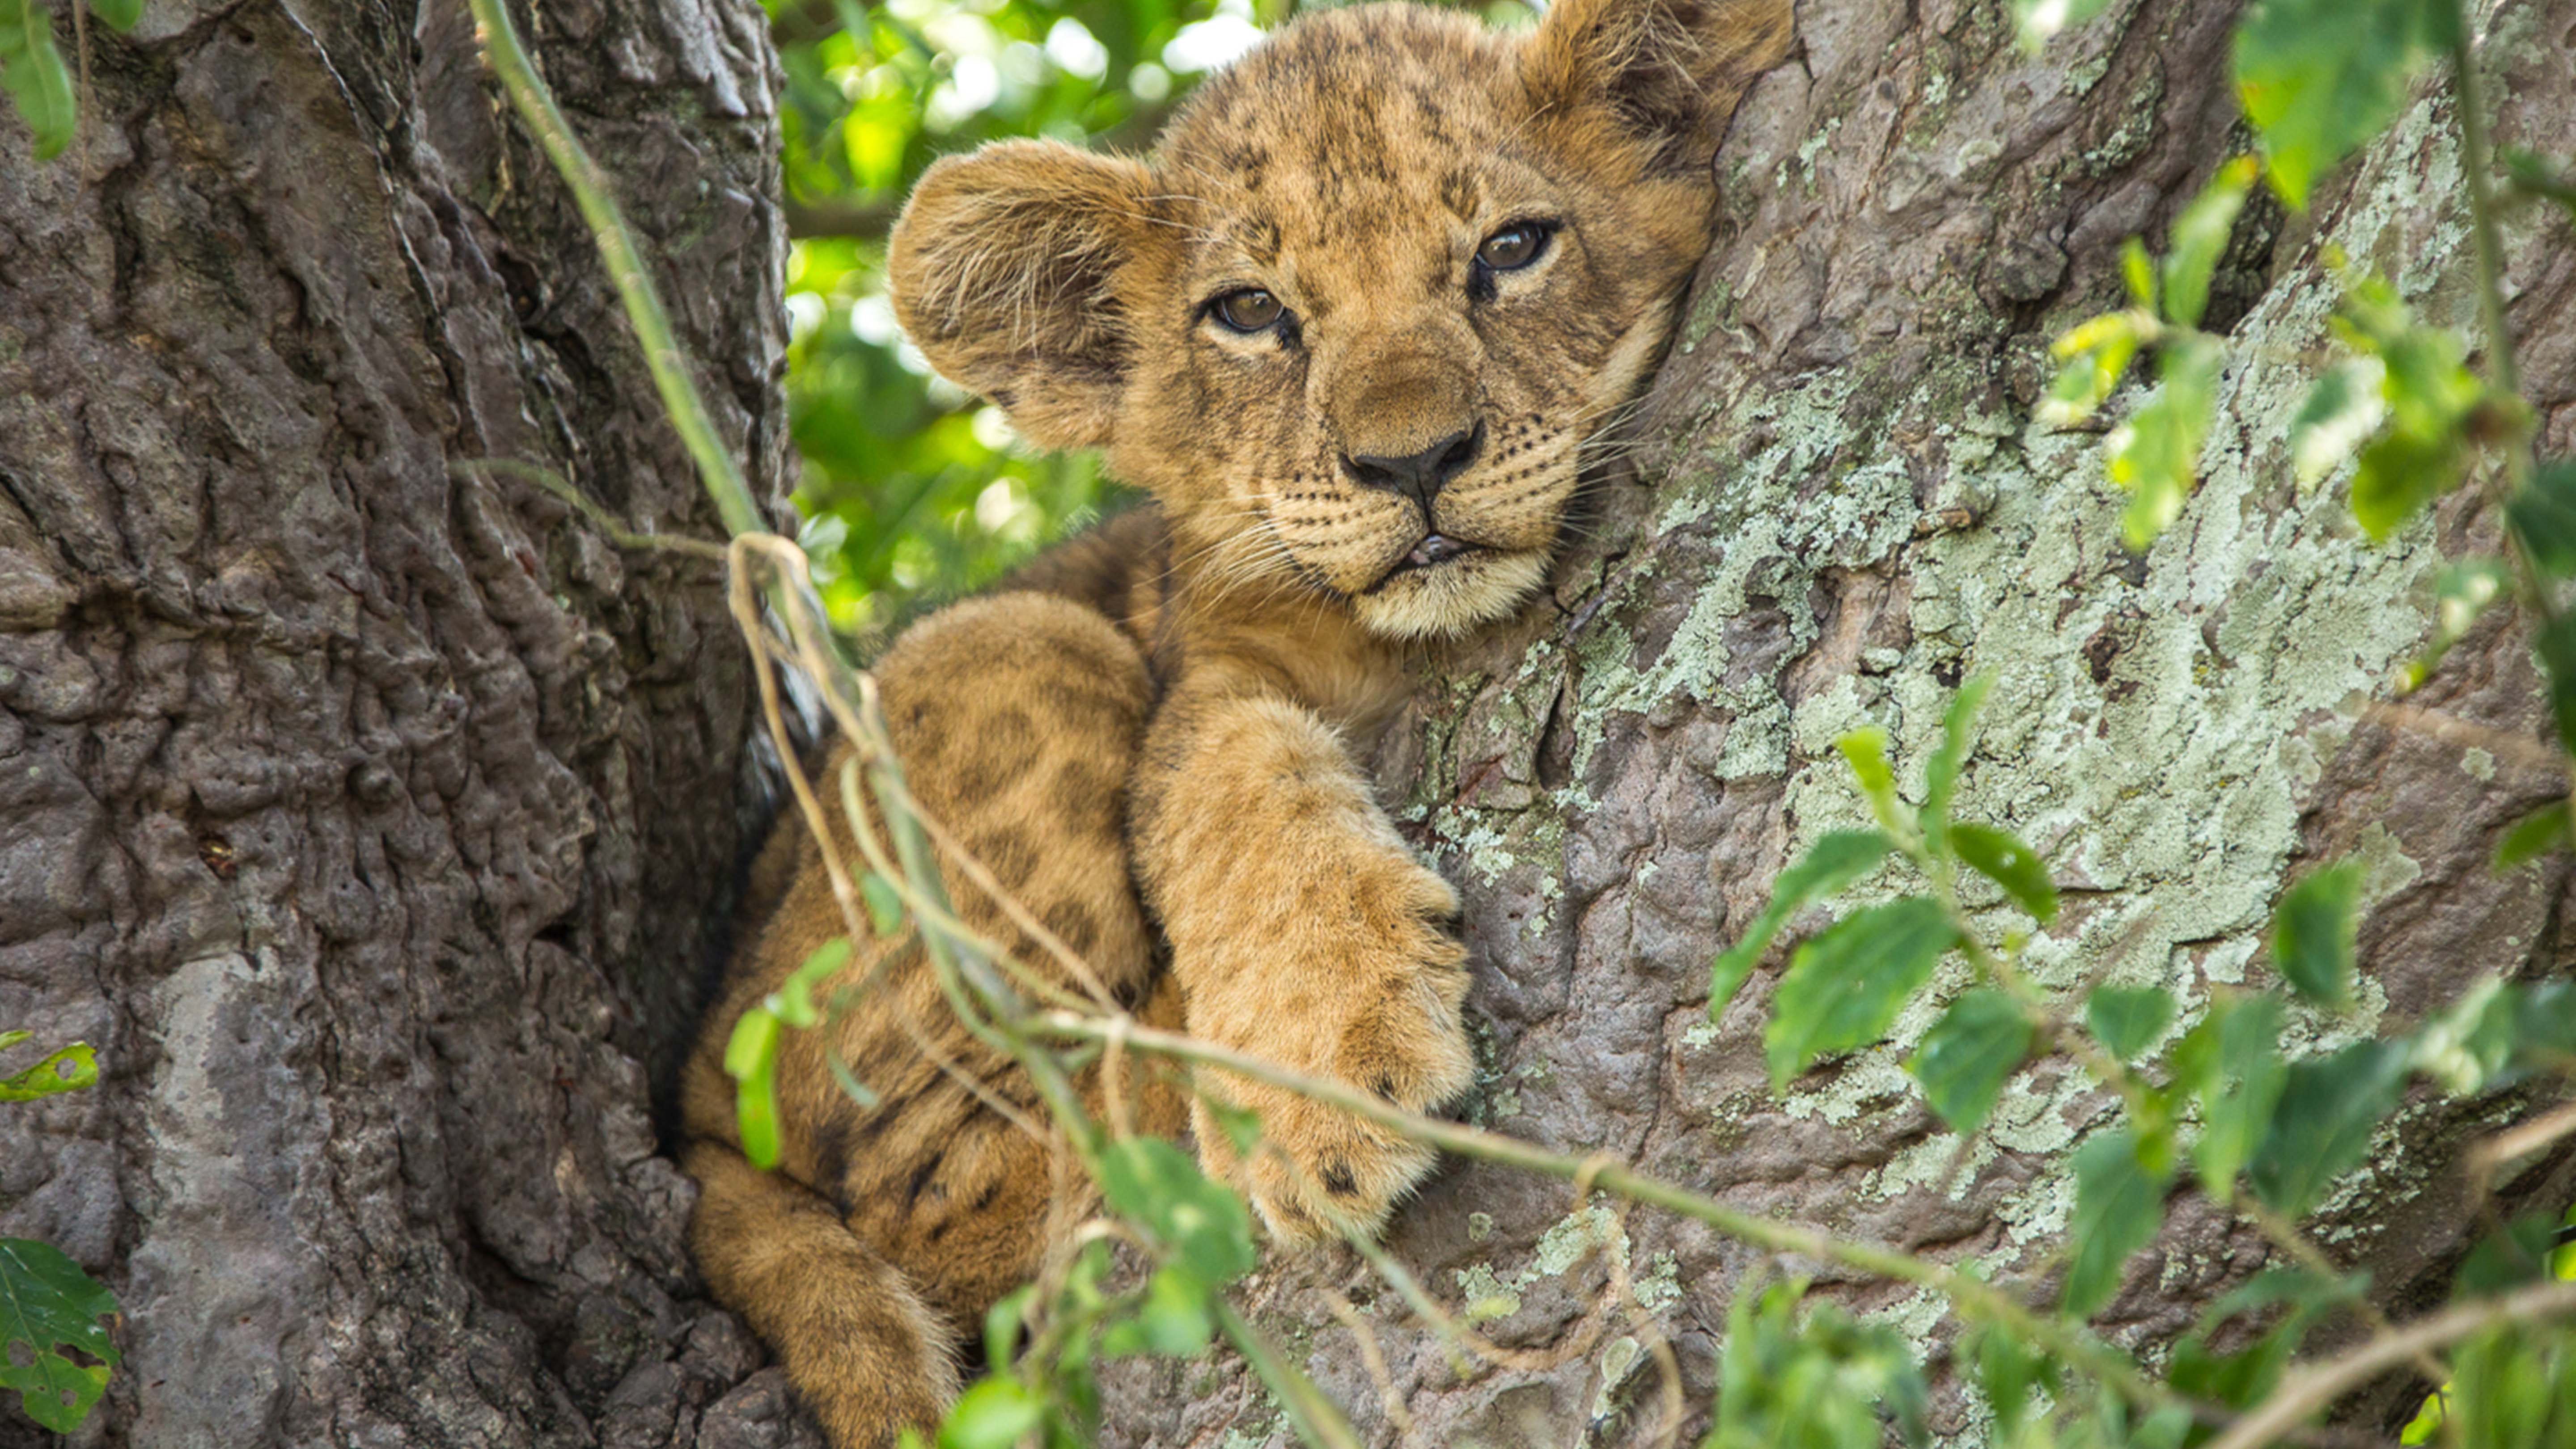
(2311, 1389)
(955, 958)
(2138, 1095)
(1974, 1296)
(617, 251)
(2477, 155)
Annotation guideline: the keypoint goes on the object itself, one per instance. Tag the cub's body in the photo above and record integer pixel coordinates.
(1351, 325)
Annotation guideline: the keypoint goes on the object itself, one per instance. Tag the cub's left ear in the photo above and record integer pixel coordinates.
(1662, 74)
(1005, 273)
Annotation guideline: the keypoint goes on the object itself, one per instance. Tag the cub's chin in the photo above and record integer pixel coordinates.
(1451, 597)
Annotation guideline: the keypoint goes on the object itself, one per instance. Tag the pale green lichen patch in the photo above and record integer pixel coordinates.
(1660, 1286)
(2156, 725)
(1486, 1294)
(1594, 1227)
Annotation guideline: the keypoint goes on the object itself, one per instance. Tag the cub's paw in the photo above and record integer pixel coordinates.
(1381, 1012)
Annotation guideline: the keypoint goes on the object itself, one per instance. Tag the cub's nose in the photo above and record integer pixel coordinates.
(1422, 475)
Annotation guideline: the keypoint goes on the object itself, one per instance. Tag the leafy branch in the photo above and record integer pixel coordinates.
(32, 70)
(47, 1303)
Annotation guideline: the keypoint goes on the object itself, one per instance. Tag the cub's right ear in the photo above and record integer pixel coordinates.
(1003, 270)
(1661, 75)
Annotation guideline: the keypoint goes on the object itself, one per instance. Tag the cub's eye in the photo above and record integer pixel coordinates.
(1250, 310)
(1515, 246)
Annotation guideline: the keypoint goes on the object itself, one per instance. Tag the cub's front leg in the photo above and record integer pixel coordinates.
(1303, 931)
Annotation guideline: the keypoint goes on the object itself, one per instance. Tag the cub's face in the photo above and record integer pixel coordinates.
(1355, 319)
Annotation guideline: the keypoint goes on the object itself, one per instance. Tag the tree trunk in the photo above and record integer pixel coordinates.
(368, 815)
(1841, 507)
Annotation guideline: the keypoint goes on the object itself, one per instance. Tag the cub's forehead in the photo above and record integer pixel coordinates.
(1345, 121)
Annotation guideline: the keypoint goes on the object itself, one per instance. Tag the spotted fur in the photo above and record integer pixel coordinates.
(1147, 735)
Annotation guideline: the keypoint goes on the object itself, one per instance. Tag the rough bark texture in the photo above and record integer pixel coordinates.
(369, 818)
(1841, 506)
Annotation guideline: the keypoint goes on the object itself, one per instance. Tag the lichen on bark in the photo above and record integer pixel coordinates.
(1839, 504)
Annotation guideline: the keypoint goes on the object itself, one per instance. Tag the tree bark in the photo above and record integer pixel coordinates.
(371, 817)
(1840, 505)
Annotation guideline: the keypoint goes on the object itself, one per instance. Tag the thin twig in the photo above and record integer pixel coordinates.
(2310, 1389)
(588, 507)
(2468, 734)
(2504, 372)
(1372, 1358)
(1313, 1414)
(1973, 1296)
(2520, 1140)
(597, 199)
(1465, 1338)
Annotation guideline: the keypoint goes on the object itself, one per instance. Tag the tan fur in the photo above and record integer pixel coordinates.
(1147, 735)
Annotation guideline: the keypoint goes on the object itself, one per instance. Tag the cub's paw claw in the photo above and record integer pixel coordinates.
(1390, 1023)
(1316, 1172)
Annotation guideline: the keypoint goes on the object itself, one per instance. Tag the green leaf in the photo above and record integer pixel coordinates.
(1835, 861)
(2429, 394)
(2313, 929)
(2344, 408)
(2508, 1257)
(2533, 836)
(2037, 20)
(2461, 594)
(1242, 1125)
(1201, 1222)
(2007, 1371)
(2544, 1022)
(2557, 649)
(2320, 77)
(1845, 986)
(1172, 1320)
(2328, 1109)
(2138, 271)
(68, 1070)
(33, 72)
(1941, 772)
(2232, 1063)
(2470, 1045)
(1002, 1323)
(991, 1415)
(1999, 856)
(1865, 750)
(2118, 1203)
(120, 15)
(1969, 1054)
(2399, 474)
(2128, 1019)
(885, 905)
(2155, 455)
(2199, 239)
(2543, 515)
(793, 1002)
(2513, 1387)
(751, 1059)
(2093, 357)
(2533, 174)
(48, 1304)
(1821, 1383)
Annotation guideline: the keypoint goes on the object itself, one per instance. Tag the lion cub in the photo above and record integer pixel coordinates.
(1350, 325)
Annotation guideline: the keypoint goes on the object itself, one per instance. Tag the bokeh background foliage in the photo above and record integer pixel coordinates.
(912, 491)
